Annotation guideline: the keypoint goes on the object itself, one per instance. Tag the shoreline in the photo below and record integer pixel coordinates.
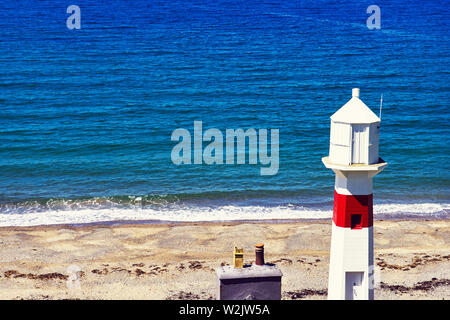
(118, 223)
(177, 261)
(76, 216)
(206, 222)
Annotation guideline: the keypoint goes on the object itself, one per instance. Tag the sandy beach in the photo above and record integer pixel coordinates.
(177, 261)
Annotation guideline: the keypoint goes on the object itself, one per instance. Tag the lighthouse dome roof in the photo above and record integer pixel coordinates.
(355, 111)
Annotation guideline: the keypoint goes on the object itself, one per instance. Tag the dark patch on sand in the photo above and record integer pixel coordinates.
(182, 295)
(299, 294)
(282, 261)
(140, 265)
(195, 265)
(416, 261)
(422, 286)
(153, 270)
(45, 276)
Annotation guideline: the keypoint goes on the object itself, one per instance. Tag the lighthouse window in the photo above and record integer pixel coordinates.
(356, 221)
(340, 134)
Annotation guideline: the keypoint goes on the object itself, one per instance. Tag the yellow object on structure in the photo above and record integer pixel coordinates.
(238, 258)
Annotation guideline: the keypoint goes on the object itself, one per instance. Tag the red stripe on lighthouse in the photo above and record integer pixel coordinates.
(353, 211)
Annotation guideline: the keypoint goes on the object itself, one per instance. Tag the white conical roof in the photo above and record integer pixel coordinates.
(355, 111)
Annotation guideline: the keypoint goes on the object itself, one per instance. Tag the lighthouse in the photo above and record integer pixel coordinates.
(353, 157)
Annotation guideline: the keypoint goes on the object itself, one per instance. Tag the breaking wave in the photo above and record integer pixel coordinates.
(157, 209)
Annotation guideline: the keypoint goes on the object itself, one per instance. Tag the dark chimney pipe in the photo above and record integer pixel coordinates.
(259, 251)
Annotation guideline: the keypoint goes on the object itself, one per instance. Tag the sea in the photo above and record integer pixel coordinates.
(87, 115)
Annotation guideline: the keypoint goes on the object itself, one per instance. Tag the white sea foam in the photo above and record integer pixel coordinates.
(205, 214)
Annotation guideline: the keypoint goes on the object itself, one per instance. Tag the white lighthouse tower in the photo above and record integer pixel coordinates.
(354, 141)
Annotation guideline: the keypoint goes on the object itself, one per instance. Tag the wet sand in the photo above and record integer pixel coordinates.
(177, 261)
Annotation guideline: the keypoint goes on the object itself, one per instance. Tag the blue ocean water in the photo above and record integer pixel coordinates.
(86, 115)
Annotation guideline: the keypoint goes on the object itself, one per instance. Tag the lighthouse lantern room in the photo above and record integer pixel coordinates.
(354, 133)
(354, 141)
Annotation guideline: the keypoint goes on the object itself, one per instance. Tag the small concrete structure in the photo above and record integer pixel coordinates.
(249, 283)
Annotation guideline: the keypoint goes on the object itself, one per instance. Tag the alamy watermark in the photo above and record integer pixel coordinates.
(374, 21)
(73, 280)
(215, 153)
(74, 20)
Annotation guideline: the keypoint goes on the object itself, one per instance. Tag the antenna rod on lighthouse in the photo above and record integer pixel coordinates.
(381, 104)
